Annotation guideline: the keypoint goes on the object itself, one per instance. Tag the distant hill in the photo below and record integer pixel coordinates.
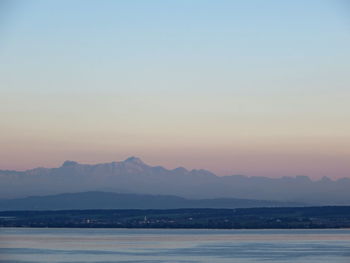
(134, 176)
(104, 200)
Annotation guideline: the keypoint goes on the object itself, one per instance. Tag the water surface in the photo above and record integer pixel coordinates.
(29, 245)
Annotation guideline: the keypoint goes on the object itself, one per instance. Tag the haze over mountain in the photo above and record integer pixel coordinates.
(134, 176)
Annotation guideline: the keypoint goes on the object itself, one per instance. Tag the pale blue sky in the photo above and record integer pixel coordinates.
(232, 86)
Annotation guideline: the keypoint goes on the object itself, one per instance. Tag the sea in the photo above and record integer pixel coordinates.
(67, 245)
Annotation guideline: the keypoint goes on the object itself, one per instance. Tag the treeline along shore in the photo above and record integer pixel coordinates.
(243, 218)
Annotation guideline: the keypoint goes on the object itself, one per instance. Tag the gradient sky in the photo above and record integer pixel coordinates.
(260, 88)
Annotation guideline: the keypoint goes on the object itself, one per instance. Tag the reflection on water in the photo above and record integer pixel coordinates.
(24, 245)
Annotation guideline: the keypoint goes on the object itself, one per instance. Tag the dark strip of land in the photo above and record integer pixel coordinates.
(247, 218)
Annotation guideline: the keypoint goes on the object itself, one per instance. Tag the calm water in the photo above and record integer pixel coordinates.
(185, 246)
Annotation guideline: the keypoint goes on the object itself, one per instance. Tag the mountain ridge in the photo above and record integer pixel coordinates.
(137, 161)
(108, 200)
(134, 176)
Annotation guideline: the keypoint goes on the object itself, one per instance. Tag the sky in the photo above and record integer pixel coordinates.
(259, 88)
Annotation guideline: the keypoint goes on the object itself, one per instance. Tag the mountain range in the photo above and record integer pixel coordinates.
(133, 176)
